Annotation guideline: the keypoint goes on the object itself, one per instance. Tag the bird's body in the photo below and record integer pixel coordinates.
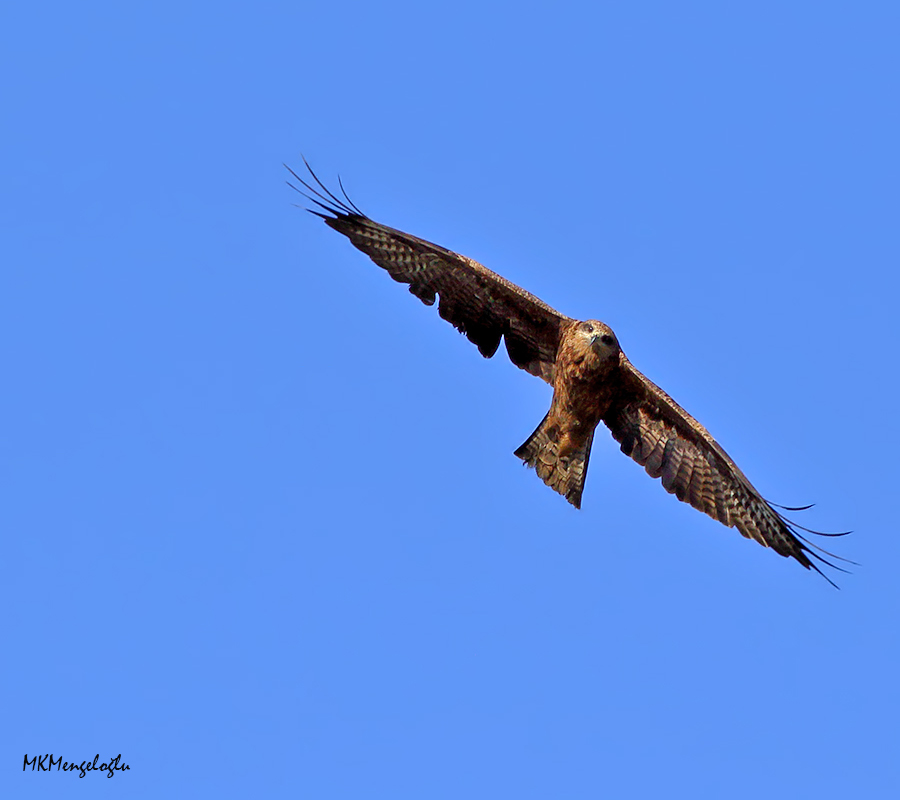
(592, 382)
(586, 381)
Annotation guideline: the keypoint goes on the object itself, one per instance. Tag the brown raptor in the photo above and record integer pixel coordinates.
(592, 381)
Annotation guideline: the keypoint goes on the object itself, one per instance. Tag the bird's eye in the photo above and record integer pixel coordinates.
(588, 327)
(607, 339)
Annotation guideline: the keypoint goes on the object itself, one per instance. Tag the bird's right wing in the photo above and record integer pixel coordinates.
(479, 303)
(670, 444)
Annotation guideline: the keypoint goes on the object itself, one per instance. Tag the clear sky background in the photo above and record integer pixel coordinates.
(263, 531)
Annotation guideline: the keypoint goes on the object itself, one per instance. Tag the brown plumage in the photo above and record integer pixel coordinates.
(592, 381)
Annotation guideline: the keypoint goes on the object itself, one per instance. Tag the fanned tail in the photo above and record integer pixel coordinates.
(564, 473)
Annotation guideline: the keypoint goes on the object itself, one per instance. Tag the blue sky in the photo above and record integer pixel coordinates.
(264, 531)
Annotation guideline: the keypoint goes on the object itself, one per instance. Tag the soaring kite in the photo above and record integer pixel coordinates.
(592, 382)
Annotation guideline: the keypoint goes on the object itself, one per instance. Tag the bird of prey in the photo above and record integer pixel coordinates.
(592, 379)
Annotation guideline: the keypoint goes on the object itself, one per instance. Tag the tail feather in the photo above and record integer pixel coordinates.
(563, 473)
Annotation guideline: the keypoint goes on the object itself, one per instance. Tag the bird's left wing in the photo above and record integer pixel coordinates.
(481, 304)
(670, 444)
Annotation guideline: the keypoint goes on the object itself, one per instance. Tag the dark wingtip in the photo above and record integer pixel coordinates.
(322, 197)
(347, 197)
(790, 508)
(811, 550)
(813, 566)
(808, 549)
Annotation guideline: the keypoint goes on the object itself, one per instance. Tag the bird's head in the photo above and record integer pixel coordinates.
(599, 337)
